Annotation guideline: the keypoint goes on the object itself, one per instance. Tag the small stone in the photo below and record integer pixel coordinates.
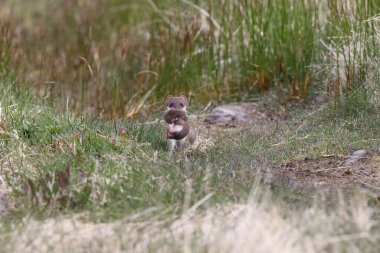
(226, 114)
(355, 157)
(123, 131)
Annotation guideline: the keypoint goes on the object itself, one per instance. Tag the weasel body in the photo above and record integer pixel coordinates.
(179, 134)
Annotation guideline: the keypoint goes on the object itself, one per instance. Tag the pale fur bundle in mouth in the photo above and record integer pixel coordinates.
(173, 128)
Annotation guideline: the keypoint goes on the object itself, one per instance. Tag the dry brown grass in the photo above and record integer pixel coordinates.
(245, 227)
(79, 56)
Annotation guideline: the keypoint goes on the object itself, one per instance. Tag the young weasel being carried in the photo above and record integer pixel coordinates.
(179, 133)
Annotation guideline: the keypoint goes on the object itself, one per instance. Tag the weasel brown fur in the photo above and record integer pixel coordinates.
(179, 133)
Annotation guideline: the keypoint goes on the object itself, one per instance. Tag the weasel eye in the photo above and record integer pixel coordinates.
(181, 104)
(171, 104)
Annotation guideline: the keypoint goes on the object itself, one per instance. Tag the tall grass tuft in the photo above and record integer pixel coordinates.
(4, 46)
(352, 43)
(277, 45)
(121, 57)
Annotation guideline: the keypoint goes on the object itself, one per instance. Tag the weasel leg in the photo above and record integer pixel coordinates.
(183, 143)
(171, 145)
(192, 136)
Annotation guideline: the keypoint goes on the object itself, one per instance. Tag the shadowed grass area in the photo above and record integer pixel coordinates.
(56, 160)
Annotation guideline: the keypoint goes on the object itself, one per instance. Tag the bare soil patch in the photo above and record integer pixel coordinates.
(332, 171)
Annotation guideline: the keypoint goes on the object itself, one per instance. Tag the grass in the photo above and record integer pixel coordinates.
(45, 143)
(79, 175)
(64, 175)
(122, 57)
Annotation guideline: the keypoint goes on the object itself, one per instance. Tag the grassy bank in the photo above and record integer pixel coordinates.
(110, 184)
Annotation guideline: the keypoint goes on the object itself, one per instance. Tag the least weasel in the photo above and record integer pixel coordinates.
(179, 133)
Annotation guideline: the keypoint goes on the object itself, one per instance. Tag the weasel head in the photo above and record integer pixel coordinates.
(179, 103)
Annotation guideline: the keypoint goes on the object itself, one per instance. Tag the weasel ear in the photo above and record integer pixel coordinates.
(168, 98)
(185, 99)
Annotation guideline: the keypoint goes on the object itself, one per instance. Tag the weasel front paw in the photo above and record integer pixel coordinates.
(169, 134)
